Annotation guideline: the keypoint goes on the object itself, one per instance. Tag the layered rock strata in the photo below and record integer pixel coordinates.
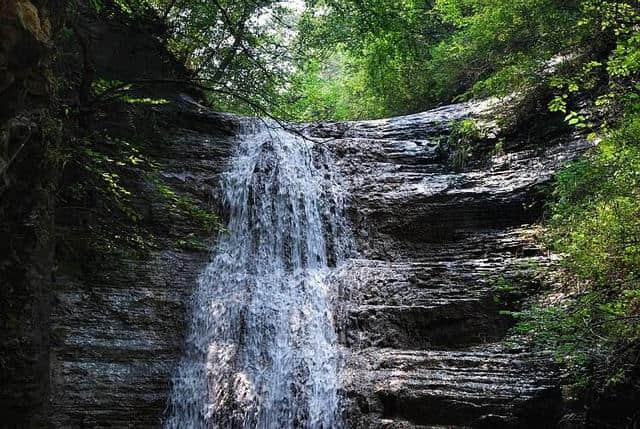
(418, 319)
(421, 317)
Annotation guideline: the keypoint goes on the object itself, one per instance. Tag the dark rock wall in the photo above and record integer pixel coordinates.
(26, 210)
(88, 333)
(26, 267)
(118, 322)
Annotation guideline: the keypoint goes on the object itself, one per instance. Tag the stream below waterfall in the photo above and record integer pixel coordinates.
(261, 348)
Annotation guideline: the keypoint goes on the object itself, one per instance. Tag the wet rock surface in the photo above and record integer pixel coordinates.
(421, 321)
(118, 329)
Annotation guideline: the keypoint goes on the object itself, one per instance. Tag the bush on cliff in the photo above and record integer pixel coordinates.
(595, 222)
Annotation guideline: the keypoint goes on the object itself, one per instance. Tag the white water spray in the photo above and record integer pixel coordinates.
(261, 350)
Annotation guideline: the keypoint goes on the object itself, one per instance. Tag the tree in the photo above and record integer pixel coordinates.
(237, 51)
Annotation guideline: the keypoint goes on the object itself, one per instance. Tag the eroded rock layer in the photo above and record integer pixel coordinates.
(118, 328)
(421, 317)
(419, 320)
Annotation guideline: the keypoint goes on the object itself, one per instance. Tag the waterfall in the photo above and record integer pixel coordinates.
(261, 349)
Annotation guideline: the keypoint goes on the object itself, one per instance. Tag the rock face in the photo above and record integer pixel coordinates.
(418, 319)
(26, 211)
(25, 32)
(421, 322)
(118, 328)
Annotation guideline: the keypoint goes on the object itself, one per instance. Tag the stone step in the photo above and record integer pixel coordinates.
(425, 284)
(425, 304)
(403, 424)
(452, 325)
(478, 388)
(463, 246)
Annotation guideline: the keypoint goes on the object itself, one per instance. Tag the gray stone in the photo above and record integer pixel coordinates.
(417, 317)
(419, 321)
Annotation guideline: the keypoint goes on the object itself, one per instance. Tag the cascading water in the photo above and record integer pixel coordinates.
(261, 350)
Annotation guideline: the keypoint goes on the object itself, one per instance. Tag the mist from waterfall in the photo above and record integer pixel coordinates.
(261, 349)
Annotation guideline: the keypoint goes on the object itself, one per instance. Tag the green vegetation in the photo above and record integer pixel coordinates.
(595, 222)
(183, 206)
(108, 188)
(463, 143)
(370, 59)
(238, 52)
(335, 88)
(409, 55)
(96, 185)
(348, 59)
(594, 212)
(596, 216)
(104, 174)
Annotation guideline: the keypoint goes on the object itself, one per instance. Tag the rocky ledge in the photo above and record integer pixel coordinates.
(420, 319)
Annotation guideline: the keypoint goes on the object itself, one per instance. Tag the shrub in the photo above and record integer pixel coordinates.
(595, 223)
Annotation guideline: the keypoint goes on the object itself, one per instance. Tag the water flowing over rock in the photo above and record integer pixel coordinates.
(261, 348)
(405, 333)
